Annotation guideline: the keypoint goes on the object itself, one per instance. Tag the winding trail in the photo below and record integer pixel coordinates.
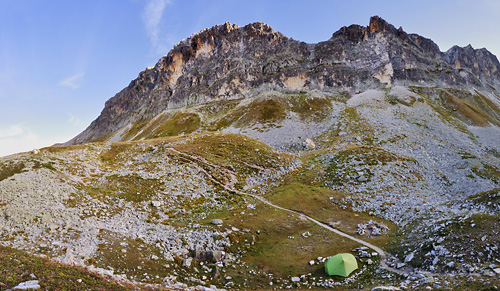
(383, 255)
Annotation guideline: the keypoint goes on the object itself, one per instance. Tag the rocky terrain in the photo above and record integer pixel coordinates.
(374, 132)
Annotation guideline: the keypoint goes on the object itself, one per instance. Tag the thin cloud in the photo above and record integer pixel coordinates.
(16, 139)
(13, 130)
(151, 16)
(72, 81)
(72, 119)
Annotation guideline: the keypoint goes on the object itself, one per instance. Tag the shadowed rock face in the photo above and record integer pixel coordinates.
(480, 62)
(230, 62)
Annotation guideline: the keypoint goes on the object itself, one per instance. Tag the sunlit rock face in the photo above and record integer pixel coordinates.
(230, 62)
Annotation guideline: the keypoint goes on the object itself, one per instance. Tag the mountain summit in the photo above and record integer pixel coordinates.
(230, 62)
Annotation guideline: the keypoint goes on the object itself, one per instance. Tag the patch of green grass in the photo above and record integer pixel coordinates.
(9, 169)
(279, 247)
(221, 149)
(179, 123)
(487, 172)
(136, 127)
(131, 187)
(17, 266)
(345, 164)
(132, 257)
(116, 152)
(309, 107)
(320, 202)
(489, 199)
(462, 105)
(464, 110)
(49, 166)
(260, 110)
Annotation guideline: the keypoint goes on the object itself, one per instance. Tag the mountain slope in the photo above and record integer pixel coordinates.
(374, 132)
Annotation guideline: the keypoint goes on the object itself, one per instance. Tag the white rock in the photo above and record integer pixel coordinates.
(187, 262)
(156, 203)
(295, 279)
(409, 258)
(497, 271)
(311, 262)
(380, 288)
(309, 144)
(33, 284)
(217, 221)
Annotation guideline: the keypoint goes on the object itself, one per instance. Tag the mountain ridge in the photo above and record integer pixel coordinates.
(231, 62)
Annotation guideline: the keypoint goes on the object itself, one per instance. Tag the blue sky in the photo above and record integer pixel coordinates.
(61, 60)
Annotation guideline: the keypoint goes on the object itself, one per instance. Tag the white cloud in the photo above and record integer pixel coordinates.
(151, 16)
(72, 119)
(22, 139)
(11, 131)
(72, 81)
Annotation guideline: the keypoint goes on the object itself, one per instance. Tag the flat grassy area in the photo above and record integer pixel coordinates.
(280, 243)
(320, 203)
(17, 266)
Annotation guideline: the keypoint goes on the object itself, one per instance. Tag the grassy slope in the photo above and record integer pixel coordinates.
(17, 266)
(268, 109)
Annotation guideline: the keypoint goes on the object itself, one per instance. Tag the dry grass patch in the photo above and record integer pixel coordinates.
(17, 266)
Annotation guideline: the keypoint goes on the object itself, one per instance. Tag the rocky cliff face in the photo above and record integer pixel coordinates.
(479, 62)
(230, 62)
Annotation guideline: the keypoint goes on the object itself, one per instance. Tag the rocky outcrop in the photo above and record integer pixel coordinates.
(231, 62)
(479, 62)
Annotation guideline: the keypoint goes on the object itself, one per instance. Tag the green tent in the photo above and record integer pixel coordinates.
(341, 265)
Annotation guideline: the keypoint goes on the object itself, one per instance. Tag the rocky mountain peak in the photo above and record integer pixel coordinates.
(227, 62)
(480, 62)
(377, 24)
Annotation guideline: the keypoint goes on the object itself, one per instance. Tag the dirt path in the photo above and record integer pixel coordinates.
(382, 254)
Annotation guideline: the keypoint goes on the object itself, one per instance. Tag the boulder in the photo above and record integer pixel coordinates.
(33, 284)
(156, 203)
(217, 221)
(200, 254)
(409, 257)
(309, 144)
(216, 256)
(187, 262)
